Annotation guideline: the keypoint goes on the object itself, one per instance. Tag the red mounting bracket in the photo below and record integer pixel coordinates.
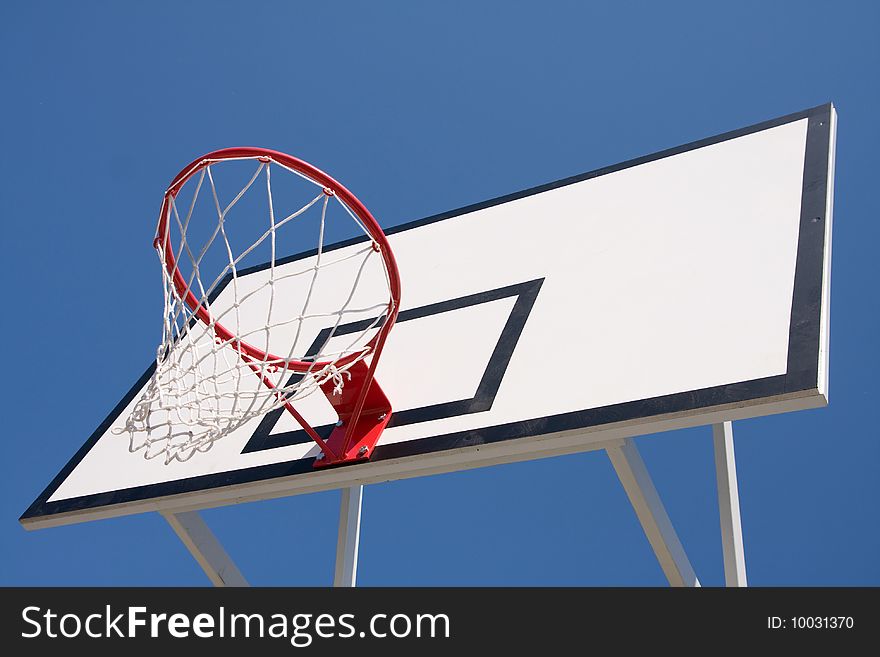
(355, 443)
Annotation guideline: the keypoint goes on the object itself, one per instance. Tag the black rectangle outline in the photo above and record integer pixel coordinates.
(483, 398)
(802, 364)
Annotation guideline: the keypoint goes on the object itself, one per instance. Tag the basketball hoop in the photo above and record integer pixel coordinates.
(187, 405)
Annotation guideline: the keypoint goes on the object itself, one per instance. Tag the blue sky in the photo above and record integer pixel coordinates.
(420, 108)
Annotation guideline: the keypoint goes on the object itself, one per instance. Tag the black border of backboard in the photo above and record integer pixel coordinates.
(801, 374)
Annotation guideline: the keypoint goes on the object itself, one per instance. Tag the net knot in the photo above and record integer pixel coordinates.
(336, 376)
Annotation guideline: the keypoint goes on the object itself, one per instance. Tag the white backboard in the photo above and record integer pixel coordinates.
(679, 289)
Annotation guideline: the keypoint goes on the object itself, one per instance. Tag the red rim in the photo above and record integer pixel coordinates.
(326, 181)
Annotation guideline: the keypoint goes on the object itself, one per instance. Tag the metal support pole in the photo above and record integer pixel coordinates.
(349, 536)
(652, 515)
(204, 546)
(728, 505)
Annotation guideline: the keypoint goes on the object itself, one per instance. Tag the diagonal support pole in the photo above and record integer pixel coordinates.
(349, 536)
(652, 515)
(728, 505)
(204, 546)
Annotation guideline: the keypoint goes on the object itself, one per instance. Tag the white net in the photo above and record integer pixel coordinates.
(239, 323)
